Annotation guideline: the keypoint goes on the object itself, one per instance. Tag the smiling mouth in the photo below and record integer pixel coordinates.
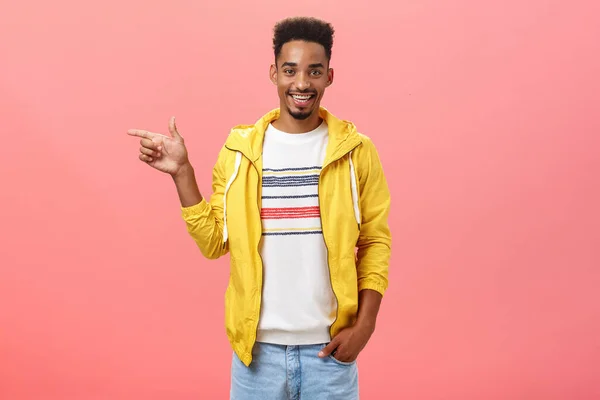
(302, 99)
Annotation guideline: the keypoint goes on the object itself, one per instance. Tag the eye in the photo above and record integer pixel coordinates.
(316, 73)
(288, 71)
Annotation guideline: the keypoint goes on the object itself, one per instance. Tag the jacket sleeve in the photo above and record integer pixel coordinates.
(374, 241)
(204, 220)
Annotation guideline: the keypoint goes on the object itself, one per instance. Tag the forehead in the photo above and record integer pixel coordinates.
(302, 53)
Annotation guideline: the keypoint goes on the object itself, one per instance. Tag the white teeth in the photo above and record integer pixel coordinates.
(296, 97)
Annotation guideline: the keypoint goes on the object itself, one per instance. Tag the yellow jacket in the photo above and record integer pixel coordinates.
(354, 199)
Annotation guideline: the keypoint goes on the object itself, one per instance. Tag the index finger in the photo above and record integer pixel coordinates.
(141, 133)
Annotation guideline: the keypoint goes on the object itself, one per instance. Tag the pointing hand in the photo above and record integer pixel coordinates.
(164, 153)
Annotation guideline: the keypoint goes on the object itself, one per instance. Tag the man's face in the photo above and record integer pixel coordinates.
(301, 74)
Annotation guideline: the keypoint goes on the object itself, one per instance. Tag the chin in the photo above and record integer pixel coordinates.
(300, 115)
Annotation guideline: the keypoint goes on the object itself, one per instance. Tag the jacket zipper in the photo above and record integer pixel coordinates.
(259, 205)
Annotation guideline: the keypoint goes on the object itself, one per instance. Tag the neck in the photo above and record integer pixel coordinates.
(289, 124)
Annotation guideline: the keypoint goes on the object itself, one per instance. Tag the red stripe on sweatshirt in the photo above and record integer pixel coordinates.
(291, 212)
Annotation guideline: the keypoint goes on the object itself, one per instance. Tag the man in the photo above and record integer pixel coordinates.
(300, 202)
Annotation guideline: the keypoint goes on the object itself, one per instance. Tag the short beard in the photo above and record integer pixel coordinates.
(299, 115)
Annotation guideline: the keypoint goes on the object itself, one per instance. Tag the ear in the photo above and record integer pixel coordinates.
(329, 76)
(273, 74)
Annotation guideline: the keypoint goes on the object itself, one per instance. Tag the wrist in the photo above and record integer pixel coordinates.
(184, 172)
(365, 323)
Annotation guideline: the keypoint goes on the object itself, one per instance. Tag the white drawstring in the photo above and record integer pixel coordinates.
(354, 191)
(238, 161)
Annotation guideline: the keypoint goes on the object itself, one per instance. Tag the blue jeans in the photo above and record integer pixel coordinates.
(292, 373)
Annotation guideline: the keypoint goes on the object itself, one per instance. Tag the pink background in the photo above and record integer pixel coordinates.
(486, 115)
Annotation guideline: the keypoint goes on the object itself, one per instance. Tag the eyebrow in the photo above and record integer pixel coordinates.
(293, 64)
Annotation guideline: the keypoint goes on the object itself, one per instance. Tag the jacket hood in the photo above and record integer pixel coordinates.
(248, 139)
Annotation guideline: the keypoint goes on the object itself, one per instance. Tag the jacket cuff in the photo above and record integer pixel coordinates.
(378, 287)
(195, 210)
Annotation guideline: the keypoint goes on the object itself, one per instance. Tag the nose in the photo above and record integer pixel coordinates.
(302, 82)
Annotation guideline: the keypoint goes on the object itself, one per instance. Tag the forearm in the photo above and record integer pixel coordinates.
(369, 302)
(187, 187)
(204, 219)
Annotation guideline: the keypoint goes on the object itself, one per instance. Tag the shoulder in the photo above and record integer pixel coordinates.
(367, 147)
(366, 159)
(365, 139)
(242, 132)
